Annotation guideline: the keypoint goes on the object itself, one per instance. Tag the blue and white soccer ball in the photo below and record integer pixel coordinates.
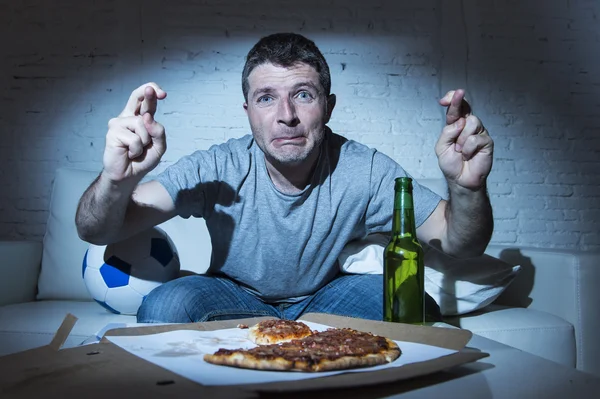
(119, 276)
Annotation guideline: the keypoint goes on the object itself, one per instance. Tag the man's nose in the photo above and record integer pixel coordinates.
(287, 112)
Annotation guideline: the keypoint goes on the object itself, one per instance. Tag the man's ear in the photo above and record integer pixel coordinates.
(245, 105)
(330, 106)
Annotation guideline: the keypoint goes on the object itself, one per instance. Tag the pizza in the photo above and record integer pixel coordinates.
(277, 331)
(332, 349)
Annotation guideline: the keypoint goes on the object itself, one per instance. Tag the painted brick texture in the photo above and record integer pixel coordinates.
(531, 71)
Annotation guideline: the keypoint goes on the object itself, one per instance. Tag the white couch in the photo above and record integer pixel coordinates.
(550, 309)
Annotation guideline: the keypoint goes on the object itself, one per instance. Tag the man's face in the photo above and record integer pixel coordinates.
(287, 110)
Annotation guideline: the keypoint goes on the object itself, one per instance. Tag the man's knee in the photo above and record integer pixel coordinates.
(361, 295)
(169, 302)
(200, 298)
(359, 284)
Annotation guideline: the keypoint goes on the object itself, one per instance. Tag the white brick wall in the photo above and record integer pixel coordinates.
(531, 69)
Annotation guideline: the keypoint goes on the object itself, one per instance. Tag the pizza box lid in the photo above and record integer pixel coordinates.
(105, 370)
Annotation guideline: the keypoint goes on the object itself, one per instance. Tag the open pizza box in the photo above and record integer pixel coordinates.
(110, 370)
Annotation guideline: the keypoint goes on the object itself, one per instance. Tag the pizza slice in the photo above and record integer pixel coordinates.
(276, 331)
(333, 349)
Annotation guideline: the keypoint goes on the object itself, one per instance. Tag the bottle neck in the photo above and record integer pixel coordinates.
(403, 222)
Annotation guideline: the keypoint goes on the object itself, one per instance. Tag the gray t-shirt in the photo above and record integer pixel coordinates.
(285, 247)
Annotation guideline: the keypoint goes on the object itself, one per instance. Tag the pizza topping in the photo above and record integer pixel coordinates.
(333, 349)
(330, 344)
(282, 326)
(242, 326)
(274, 331)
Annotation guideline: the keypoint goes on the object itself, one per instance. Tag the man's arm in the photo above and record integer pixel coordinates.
(109, 212)
(114, 206)
(463, 225)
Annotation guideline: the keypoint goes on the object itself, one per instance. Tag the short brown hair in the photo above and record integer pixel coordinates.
(286, 50)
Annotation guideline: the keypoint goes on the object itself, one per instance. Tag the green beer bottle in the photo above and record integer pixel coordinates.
(403, 268)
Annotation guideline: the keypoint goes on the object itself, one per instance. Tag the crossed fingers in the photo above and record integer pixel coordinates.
(144, 100)
(464, 131)
(458, 107)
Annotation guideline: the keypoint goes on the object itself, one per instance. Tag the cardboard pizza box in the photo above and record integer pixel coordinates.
(105, 370)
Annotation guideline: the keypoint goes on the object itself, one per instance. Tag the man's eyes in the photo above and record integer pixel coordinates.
(303, 95)
(264, 99)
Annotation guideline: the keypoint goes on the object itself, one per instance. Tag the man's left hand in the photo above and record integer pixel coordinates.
(464, 149)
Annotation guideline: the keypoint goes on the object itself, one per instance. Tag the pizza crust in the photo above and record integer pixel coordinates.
(249, 362)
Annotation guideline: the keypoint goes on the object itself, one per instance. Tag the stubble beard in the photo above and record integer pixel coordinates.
(290, 158)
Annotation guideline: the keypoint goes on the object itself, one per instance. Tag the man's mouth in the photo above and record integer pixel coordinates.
(289, 140)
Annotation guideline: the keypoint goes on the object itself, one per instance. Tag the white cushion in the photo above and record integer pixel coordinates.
(62, 257)
(364, 256)
(461, 286)
(534, 331)
(458, 286)
(19, 269)
(32, 324)
(61, 277)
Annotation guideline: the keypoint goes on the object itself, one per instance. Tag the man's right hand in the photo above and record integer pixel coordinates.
(135, 142)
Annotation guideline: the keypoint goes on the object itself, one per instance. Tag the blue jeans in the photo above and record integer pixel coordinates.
(200, 298)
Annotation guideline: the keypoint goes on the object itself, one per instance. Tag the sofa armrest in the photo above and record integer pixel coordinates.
(560, 282)
(19, 270)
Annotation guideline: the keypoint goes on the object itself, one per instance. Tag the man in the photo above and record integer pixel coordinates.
(282, 203)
